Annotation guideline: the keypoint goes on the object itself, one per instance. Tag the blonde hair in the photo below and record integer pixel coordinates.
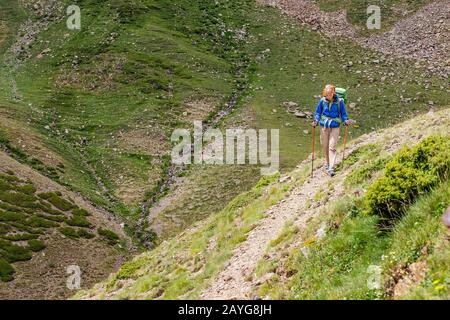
(327, 88)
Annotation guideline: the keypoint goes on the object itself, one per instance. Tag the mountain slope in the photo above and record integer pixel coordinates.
(93, 110)
(44, 229)
(104, 100)
(235, 250)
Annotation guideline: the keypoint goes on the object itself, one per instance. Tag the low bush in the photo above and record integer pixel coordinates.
(82, 233)
(36, 245)
(78, 221)
(55, 199)
(109, 235)
(69, 232)
(11, 216)
(412, 172)
(6, 271)
(80, 212)
(39, 222)
(27, 189)
(12, 252)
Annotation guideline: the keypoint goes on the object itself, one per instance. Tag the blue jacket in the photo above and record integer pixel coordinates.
(324, 113)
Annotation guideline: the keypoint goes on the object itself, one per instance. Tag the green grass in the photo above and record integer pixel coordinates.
(6, 271)
(134, 66)
(109, 235)
(184, 265)
(36, 245)
(337, 265)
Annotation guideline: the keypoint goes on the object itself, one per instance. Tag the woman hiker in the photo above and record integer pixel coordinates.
(330, 113)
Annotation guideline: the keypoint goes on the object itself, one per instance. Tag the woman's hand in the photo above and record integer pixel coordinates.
(349, 122)
(314, 124)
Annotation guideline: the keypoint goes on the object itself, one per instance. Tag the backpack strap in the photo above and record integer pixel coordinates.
(339, 108)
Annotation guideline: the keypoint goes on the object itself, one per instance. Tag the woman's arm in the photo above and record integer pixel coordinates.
(343, 111)
(319, 110)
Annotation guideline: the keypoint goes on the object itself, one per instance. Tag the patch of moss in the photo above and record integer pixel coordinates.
(36, 245)
(78, 221)
(12, 252)
(69, 232)
(80, 212)
(55, 199)
(82, 233)
(109, 235)
(6, 271)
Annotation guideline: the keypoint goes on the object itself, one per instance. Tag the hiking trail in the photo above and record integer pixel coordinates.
(237, 278)
(232, 283)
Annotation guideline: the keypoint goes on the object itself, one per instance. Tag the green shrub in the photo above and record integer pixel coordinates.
(6, 271)
(109, 235)
(36, 245)
(412, 171)
(82, 233)
(78, 221)
(27, 189)
(11, 216)
(13, 253)
(17, 198)
(55, 199)
(4, 186)
(59, 202)
(80, 212)
(69, 232)
(39, 222)
(10, 178)
(52, 218)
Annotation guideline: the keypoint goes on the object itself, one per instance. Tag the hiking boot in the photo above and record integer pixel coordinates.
(331, 172)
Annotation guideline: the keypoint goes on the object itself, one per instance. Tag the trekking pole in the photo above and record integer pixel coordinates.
(313, 146)
(345, 140)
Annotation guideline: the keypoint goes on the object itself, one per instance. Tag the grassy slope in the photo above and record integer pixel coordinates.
(134, 65)
(116, 89)
(44, 229)
(183, 266)
(337, 264)
(293, 71)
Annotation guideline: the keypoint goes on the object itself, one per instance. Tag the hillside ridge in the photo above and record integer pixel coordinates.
(237, 277)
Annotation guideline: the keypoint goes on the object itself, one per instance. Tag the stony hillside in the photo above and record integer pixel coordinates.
(44, 229)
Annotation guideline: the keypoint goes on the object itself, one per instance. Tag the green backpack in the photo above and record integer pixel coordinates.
(342, 93)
